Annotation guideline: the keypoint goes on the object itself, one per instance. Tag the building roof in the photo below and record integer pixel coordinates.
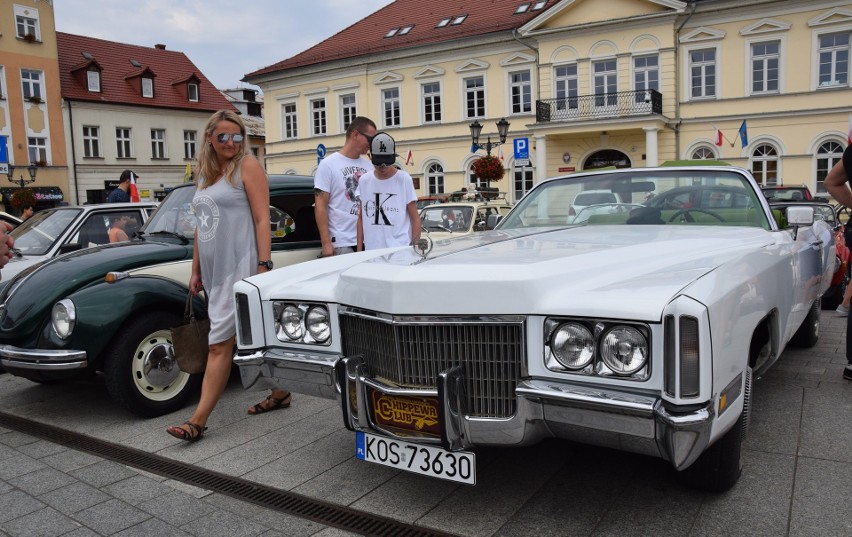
(370, 34)
(120, 65)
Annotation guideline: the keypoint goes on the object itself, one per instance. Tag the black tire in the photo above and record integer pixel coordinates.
(719, 467)
(808, 334)
(141, 372)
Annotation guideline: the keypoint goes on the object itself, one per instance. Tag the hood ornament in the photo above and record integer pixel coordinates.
(423, 246)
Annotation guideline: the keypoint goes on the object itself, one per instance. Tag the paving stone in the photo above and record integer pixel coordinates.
(41, 481)
(82, 532)
(152, 527)
(41, 448)
(177, 508)
(291, 525)
(70, 460)
(103, 473)
(111, 516)
(18, 465)
(223, 524)
(826, 418)
(74, 497)
(137, 489)
(821, 499)
(16, 504)
(45, 522)
(16, 439)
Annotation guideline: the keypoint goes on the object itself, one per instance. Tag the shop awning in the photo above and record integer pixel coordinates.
(41, 193)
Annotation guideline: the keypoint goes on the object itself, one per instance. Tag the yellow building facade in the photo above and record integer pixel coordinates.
(31, 105)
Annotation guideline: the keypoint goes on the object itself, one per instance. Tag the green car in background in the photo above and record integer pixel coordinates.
(109, 309)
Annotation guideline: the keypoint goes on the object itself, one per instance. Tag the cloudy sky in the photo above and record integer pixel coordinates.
(224, 39)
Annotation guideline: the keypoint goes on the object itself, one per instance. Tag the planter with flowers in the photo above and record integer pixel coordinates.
(23, 197)
(488, 168)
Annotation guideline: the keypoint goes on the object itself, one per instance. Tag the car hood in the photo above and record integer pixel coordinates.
(34, 290)
(18, 264)
(626, 272)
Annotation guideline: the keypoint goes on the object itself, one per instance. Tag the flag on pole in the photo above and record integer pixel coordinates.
(744, 134)
(409, 158)
(718, 141)
(134, 194)
(187, 174)
(473, 148)
(500, 153)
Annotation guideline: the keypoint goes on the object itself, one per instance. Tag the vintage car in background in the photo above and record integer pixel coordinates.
(833, 296)
(61, 230)
(109, 308)
(638, 330)
(454, 219)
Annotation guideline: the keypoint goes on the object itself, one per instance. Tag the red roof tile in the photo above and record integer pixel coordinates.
(117, 74)
(367, 36)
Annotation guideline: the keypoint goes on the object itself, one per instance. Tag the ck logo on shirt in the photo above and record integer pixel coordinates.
(376, 209)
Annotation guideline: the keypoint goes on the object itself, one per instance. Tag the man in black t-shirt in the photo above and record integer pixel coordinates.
(835, 183)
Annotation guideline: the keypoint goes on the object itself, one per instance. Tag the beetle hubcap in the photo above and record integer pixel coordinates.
(155, 370)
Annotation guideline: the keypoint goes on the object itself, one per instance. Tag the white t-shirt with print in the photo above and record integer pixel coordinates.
(384, 214)
(339, 175)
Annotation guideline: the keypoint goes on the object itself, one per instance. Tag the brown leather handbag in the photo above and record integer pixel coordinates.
(189, 340)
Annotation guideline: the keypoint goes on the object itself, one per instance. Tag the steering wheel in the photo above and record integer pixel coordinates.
(688, 218)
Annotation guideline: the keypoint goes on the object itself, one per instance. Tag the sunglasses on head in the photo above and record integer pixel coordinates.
(224, 137)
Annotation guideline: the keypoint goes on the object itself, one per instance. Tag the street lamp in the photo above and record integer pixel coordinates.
(502, 132)
(32, 169)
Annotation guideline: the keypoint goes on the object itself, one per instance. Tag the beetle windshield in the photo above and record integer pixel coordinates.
(174, 215)
(676, 196)
(38, 233)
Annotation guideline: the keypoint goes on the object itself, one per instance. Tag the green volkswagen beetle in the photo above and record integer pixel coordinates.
(110, 308)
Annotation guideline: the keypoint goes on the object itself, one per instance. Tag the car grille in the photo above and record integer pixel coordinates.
(412, 351)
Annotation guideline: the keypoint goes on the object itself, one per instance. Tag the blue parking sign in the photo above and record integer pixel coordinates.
(4, 155)
(522, 148)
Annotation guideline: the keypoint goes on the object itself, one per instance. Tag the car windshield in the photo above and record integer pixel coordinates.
(785, 194)
(38, 233)
(444, 218)
(174, 215)
(665, 197)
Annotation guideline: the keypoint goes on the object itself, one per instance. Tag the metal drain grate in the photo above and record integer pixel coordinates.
(288, 502)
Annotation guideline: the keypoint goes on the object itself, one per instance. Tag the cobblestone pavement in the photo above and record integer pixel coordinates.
(797, 479)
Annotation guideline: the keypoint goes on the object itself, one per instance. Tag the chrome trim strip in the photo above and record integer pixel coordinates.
(42, 359)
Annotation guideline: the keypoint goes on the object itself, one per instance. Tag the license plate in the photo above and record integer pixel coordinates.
(420, 459)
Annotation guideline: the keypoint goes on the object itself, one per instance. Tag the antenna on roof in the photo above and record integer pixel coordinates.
(134, 63)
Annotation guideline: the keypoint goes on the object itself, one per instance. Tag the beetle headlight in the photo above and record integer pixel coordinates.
(63, 317)
(301, 323)
(624, 350)
(573, 346)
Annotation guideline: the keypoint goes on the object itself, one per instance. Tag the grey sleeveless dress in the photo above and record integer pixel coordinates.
(227, 249)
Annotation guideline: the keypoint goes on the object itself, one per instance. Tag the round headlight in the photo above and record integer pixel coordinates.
(624, 350)
(63, 317)
(573, 345)
(291, 321)
(317, 323)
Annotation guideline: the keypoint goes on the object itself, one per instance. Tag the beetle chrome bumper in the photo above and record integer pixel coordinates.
(12, 358)
(545, 408)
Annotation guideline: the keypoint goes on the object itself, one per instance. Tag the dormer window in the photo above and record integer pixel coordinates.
(148, 87)
(93, 80)
(405, 30)
(192, 91)
(26, 23)
(538, 6)
(458, 20)
(523, 8)
(391, 33)
(443, 22)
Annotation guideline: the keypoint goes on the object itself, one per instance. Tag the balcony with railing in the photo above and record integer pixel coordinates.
(605, 105)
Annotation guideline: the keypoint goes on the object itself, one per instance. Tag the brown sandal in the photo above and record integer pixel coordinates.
(272, 403)
(190, 433)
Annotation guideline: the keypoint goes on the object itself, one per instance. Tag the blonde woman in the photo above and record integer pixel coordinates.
(232, 242)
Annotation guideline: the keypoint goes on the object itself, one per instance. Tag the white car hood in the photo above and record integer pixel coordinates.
(625, 272)
(19, 264)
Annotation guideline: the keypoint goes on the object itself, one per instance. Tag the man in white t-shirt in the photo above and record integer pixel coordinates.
(388, 209)
(335, 182)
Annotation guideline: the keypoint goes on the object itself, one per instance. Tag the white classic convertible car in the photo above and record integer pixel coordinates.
(637, 326)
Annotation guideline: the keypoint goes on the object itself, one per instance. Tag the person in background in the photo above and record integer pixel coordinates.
(335, 182)
(122, 192)
(387, 213)
(117, 230)
(836, 183)
(236, 244)
(27, 212)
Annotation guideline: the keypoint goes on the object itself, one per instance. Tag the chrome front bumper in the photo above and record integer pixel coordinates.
(12, 358)
(545, 408)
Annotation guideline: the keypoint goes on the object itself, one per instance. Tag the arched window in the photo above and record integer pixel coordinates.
(764, 165)
(828, 154)
(703, 153)
(435, 179)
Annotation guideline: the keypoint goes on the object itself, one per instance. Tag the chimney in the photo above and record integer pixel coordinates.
(160, 46)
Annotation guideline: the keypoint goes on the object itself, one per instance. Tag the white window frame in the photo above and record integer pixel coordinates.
(566, 89)
(37, 149)
(2, 82)
(687, 71)
(348, 110)
(750, 61)
(433, 99)
(24, 14)
(761, 175)
(466, 92)
(193, 92)
(523, 177)
(522, 90)
(821, 171)
(703, 152)
(319, 117)
(392, 103)
(645, 71)
(93, 80)
(607, 100)
(31, 87)
(123, 144)
(435, 178)
(147, 87)
(816, 57)
(158, 144)
(92, 141)
(289, 120)
(190, 144)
